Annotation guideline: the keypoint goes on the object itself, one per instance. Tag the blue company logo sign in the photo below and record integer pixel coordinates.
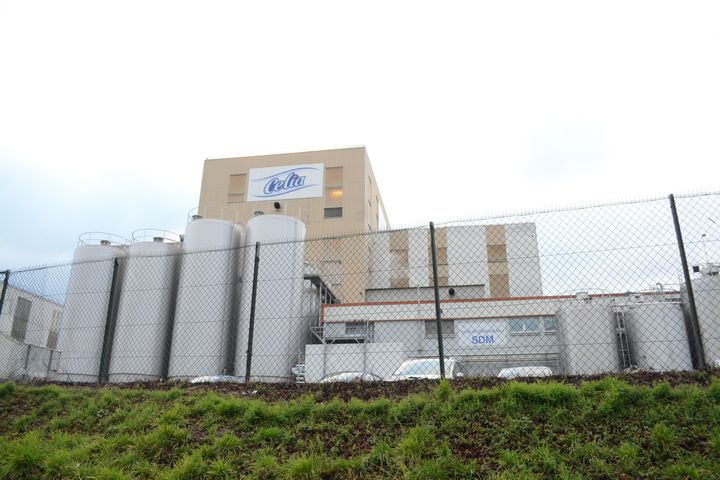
(285, 182)
(482, 339)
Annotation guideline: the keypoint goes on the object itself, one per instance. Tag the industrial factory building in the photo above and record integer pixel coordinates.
(334, 290)
(332, 191)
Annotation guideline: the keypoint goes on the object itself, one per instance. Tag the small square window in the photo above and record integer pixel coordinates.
(532, 325)
(237, 188)
(448, 328)
(550, 324)
(516, 326)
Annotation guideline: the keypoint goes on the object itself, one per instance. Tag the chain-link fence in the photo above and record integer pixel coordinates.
(574, 291)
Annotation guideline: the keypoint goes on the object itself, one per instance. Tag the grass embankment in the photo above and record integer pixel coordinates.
(598, 429)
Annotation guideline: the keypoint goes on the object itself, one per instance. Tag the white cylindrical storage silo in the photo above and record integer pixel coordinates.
(280, 331)
(203, 338)
(146, 309)
(589, 338)
(85, 314)
(706, 289)
(657, 336)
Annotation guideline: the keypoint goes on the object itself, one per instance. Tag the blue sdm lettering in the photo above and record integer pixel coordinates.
(482, 339)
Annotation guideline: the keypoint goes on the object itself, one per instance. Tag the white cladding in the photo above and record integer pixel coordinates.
(145, 311)
(588, 333)
(280, 331)
(523, 260)
(208, 287)
(285, 183)
(85, 314)
(707, 302)
(467, 255)
(657, 335)
(419, 261)
(44, 316)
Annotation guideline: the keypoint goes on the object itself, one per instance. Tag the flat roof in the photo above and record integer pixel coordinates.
(350, 147)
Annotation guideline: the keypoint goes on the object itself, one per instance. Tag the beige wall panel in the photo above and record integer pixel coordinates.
(499, 285)
(495, 234)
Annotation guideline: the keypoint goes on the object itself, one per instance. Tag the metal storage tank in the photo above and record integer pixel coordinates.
(85, 314)
(657, 336)
(203, 338)
(146, 307)
(588, 336)
(706, 289)
(280, 330)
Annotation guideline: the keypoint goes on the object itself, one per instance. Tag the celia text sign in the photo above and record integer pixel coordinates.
(293, 181)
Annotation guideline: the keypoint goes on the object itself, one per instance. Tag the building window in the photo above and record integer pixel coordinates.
(54, 330)
(333, 212)
(550, 324)
(358, 329)
(517, 326)
(237, 188)
(448, 328)
(533, 325)
(334, 189)
(20, 319)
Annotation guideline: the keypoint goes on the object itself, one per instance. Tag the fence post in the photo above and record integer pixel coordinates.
(109, 335)
(27, 360)
(49, 367)
(251, 328)
(694, 326)
(4, 289)
(438, 313)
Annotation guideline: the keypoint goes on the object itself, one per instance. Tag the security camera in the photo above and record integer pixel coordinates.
(276, 205)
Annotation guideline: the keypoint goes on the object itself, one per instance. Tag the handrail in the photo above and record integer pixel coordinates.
(102, 238)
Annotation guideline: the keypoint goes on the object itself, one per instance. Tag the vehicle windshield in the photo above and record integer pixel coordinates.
(431, 366)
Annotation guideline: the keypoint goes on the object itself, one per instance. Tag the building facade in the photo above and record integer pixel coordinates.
(332, 191)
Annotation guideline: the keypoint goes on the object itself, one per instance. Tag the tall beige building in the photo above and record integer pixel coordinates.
(333, 191)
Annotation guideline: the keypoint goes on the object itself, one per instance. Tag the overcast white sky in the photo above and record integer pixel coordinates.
(108, 109)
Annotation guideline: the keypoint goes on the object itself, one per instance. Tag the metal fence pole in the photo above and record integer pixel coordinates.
(49, 366)
(109, 335)
(251, 328)
(438, 313)
(694, 326)
(4, 289)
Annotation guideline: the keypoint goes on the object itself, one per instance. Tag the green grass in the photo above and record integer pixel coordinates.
(598, 429)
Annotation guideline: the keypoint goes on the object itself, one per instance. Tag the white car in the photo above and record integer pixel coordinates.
(530, 371)
(218, 379)
(354, 377)
(427, 368)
